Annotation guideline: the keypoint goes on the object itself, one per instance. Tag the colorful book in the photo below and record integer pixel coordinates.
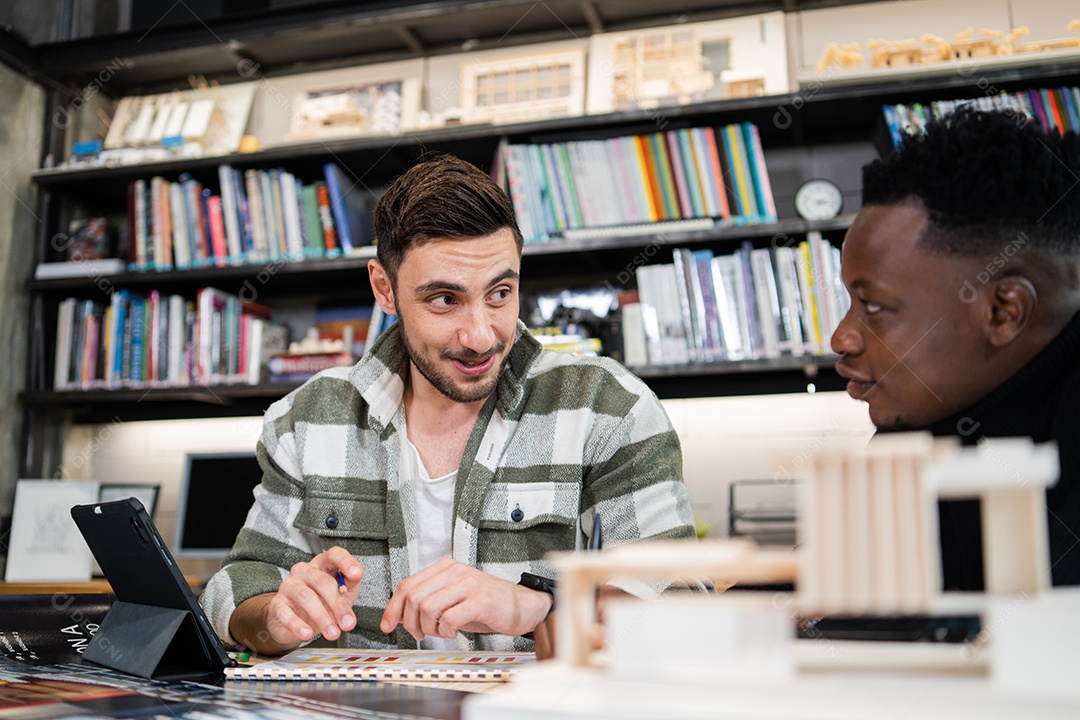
(218, 241)
(256, 217)
(696, 181)
(665, 176)
(230, 211)
(566, 178)
(678, 173)
(766, 203)
(722, 181)
(657, 206)
(326, 219)
(314, 240)
(736, 154)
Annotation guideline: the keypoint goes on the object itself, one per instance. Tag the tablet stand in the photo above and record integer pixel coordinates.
(150, 642)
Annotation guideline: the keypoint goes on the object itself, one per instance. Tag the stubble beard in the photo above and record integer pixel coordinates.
(478, 388)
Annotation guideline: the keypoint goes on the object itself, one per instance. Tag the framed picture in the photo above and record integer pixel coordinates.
(146, 494)
(45, 543)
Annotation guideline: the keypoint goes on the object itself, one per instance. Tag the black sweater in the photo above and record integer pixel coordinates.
(1041, 401)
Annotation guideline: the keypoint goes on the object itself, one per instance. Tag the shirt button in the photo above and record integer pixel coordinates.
(331, 521)
(516, 515)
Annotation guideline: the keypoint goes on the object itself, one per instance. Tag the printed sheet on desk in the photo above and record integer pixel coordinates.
(80, 691)
(400, 665)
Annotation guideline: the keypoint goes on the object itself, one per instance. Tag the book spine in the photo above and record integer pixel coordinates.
(705, 297)
(134, 372)
(665, 176)
(684, 270)
(326, 219)
(723, 281)
(566, 182)
(743, 181)
(694, 181)
(517, 189)
(230, 213)
(808, 290)
(181, 244)
(650, 179)
(277, 179)
(61, 361)
(313, 235)
(649, 294)
(761, 174)
(723, 181)
(678, 172)
(218, 241)
(256, 216)
(337, 205)
(290, 202)
(288, 368)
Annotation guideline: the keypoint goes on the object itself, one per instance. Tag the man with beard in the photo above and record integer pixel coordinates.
(964, 273)
(404, 498)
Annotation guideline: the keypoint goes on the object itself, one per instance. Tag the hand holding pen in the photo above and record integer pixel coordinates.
(316, 597)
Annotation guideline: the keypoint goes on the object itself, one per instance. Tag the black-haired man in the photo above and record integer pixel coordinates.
(964, 273)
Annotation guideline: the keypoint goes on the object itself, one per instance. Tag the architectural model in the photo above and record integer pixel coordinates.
(527, 87)
(868, 546)
(967, 45)
(206, 120)
(694, 62)
(346, 110)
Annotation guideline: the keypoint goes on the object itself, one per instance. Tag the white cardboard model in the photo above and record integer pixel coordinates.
(379, 107)
(527, 87)
(868, 546)
(203, 121)
(692, 62)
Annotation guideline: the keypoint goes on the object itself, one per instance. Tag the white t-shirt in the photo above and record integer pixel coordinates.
(435, 519)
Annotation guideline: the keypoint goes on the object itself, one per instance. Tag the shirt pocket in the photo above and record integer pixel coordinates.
(521, 506)
(354, 522)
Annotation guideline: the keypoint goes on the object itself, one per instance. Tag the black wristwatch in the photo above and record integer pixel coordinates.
(540, 583)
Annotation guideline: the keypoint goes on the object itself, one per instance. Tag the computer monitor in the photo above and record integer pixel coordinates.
(215, 496)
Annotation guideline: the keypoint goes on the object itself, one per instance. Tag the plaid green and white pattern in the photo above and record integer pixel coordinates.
(562, 438)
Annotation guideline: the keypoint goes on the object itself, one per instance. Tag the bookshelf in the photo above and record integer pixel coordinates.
(820, 130)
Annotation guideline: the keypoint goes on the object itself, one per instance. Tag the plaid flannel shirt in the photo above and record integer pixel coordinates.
(561, 439)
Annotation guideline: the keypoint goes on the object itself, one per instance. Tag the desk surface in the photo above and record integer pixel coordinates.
(100, 585)
(97, 585)
(54, 692)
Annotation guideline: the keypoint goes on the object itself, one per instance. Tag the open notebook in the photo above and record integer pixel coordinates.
(426, 665)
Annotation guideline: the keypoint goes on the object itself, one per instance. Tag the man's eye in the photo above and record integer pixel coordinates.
(501, 294)
(871, 308)
(442, 301)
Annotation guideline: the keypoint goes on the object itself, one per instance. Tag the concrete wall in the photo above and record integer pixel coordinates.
(20, 153)
(724, 439)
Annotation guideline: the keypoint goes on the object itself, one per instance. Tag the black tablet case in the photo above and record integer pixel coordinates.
(156, 629)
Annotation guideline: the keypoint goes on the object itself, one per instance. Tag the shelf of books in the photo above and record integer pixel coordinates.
(666, 202)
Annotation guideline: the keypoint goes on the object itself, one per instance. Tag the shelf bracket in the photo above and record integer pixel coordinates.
(410, 38)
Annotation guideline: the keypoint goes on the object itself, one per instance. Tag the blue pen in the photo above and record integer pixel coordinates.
(596, 540)
(341, 581)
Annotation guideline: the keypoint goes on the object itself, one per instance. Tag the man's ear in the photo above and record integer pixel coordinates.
(380, 285)
(1012, 301)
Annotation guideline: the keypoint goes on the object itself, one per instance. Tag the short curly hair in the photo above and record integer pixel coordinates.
(440, 196)
(986, 178)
